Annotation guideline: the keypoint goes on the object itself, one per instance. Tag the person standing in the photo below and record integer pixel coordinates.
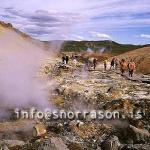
(94, 63)
(67, 59)
(112, 64)
(105, 64)
(131, 68)
(75, 62)
(86, 62)
(116, 63)
(63, 59)
(123, 66)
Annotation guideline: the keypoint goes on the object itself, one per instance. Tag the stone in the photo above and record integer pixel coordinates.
(136, 147)
(53, 143)
(139, 135)
(112, 143)
(59, 144)
(6, 144)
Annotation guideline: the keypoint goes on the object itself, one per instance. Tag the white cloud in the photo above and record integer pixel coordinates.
(51, 24)
(100, 35)
(62, 17)
(78, 38)
(147, 36)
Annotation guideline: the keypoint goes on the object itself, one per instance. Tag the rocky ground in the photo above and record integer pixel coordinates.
(81, 89)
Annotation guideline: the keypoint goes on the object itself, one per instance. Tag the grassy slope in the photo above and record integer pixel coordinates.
(110, 47)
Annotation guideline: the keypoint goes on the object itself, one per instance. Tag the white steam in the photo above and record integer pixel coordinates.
(101, 49)
(20, 62)
(89, 50)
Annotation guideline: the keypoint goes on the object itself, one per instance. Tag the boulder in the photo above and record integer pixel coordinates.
(138, 135)
(136, 147)
(53, 143)
(6, 144)
(112, 143)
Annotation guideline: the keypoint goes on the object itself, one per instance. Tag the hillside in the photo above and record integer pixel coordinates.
(101, 46)
(141, 57)
(11, 37)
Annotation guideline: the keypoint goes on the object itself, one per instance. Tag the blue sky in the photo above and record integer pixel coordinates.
(124, 21)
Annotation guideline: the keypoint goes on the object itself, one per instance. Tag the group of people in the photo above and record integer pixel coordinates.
(123, 64)
(130, 66)
(65, 59)
(89, 63)
(114, 64)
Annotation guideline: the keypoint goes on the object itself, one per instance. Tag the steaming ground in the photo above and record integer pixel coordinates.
(77, 89)
(25, 84)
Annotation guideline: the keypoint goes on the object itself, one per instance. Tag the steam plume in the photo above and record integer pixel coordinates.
(20, 61)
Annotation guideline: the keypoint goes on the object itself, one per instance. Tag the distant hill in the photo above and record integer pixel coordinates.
(141, 57)
(12, 37)
(101, 46)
